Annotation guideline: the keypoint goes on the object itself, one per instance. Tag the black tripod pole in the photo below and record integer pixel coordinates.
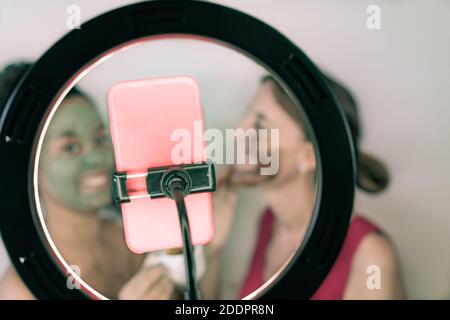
(192, 291)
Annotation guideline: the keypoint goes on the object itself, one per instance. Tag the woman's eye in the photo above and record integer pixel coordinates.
(101, 140)
(259, 124)
(259, 121)
(72, 148)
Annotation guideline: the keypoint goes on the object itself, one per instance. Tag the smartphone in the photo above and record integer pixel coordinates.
(144, 114)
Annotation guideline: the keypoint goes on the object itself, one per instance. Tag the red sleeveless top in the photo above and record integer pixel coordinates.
(332, 288)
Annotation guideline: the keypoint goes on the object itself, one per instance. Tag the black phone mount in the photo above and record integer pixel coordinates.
(175, 182)
(198, 178)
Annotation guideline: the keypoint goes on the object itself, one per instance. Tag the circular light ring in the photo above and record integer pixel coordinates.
(30, 103)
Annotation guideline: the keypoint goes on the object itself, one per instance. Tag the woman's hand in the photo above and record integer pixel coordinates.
(224, 202)
(150, 283)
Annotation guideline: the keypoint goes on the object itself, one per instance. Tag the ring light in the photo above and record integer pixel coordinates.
(77, 52)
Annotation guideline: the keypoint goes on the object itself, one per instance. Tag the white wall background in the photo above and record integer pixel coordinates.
(399, 74)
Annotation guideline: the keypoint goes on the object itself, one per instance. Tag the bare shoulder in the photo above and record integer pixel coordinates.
(375, 249)
(375, 259)
(13, 288)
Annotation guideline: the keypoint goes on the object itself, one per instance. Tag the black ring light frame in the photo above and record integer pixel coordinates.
(59, 68)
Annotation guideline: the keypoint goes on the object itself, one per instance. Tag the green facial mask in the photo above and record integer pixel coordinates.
(77, 159)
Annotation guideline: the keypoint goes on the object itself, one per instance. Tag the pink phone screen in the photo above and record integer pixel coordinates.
(144, 114)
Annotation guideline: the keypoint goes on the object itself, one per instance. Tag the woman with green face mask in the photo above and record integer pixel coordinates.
(74, 183)
(75, 169)
(76, 160)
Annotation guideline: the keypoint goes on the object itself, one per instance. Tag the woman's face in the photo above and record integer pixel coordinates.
(294, 151)
(77, 159)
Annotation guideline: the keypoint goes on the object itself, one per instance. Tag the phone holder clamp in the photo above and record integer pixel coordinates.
(194, 178)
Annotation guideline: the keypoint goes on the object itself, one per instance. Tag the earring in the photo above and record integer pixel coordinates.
(301, 169)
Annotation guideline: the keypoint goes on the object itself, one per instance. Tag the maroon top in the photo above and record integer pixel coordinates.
(332, 288)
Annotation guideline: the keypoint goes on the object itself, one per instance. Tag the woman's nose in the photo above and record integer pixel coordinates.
(95, 158)
(247, 123)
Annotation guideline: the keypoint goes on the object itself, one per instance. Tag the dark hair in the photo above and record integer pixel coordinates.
(372, 174)
(11, 76)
